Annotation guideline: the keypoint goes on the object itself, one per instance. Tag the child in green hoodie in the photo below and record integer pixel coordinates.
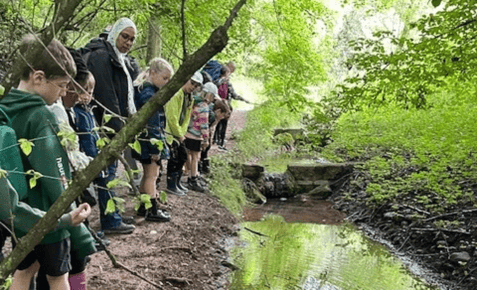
(42, 82)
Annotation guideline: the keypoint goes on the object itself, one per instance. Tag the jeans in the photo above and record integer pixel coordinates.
(111, 220)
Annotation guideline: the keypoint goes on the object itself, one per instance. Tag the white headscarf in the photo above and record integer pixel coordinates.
(117, 28)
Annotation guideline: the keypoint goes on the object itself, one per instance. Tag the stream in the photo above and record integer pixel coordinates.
(274, 254)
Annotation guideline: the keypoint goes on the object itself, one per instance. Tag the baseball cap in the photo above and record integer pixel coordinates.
(211, 88)
(197, 77)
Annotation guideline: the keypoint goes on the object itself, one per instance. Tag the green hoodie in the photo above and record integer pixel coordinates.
(33, 121)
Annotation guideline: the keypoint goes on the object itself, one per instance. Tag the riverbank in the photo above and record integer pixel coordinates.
(189, 252)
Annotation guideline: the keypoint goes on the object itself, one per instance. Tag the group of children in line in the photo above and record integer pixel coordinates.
(48, 101)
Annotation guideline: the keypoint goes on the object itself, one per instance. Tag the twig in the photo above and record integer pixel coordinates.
(257, 233)
(117, 264)
(405, 241)
(417, 209)
(435, 230)
(449, 214)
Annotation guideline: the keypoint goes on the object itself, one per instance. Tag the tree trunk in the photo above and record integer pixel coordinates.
(154, 42)
(216, 42)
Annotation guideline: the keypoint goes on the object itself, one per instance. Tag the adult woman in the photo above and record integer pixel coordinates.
(114, 93)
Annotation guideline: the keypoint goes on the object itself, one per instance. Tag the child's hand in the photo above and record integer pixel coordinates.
(80, 214)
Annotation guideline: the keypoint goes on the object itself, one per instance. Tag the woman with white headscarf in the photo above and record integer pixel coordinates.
(114, 91)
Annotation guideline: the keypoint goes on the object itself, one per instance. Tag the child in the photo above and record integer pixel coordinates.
(218, 110)
(197, 136)
(178, 110)
(146, 85)
(42, 82)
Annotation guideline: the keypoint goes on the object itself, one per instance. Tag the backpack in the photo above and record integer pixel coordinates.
(213, 68)
(10, 158)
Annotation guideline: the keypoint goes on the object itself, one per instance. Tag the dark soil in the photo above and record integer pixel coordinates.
(185, 253)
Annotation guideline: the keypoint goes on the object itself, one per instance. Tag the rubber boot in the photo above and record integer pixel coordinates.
(205, 166)
(180, 185)
(154, 214)
(77, 281)
(172, 184)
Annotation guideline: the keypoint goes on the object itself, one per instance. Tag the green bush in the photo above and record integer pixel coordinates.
(427, 154)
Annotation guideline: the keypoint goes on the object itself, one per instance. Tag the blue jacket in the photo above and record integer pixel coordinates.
(85, 122)
(155, 125)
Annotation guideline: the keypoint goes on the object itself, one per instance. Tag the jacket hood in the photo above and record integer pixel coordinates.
(16, 101)
(101, 43)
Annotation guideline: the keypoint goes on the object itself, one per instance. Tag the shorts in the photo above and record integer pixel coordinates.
(192, 144)
(54, 258)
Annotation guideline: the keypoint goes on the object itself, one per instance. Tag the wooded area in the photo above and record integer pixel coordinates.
(388, 83)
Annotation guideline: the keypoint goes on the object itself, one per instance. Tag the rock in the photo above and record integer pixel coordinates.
(252, 171)
(252, 192)
(296, 133)
(459, 257)
(319, 171)
(322, 189)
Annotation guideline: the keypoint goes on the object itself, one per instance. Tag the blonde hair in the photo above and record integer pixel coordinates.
(157, 65)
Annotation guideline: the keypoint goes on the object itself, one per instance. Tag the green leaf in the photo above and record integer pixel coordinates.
(26, 146)
(136, 146)
(119, 203)
(32, 182)
(107, 117)
(3, 173)
(146, 199)
(158, 143)
(163, 197)
(110, 206)
(436, 3)
(117, 183)
(100, 143)
(2, 90)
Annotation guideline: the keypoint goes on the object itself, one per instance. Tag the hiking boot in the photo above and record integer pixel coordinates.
(153, 214)
(172, 184)
(195, 185)
(181, 186)
(129, 220)
(201, 180)
(122, 229)
(222, 148)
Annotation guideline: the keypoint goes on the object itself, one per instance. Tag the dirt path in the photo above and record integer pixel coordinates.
(185, 253)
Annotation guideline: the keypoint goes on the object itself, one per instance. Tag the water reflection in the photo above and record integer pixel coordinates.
(311, 256)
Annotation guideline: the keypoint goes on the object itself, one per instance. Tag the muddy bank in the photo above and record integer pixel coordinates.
(450, 252)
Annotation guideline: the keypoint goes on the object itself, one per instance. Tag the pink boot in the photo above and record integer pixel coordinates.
(78, 281)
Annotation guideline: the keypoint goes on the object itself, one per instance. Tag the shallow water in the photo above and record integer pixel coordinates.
(279, 255)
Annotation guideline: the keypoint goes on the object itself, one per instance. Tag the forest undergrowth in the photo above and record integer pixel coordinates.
(415, 179)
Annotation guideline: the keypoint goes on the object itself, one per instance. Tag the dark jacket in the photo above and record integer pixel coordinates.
(111, 88)
(31, 120)
(155, 125)
(85, 123)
